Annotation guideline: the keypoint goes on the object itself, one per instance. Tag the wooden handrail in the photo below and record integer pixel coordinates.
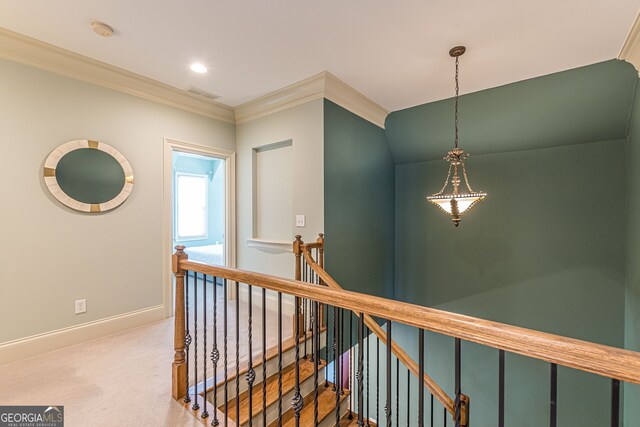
(616, 363)
(399, 352)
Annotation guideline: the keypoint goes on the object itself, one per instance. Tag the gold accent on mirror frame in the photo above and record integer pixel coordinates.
(50, 179)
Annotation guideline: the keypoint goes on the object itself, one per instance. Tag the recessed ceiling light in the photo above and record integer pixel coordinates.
(198, 68)
(102, 29)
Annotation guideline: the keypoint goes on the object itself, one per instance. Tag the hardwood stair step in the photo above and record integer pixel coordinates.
(288, 344)
(288, 384)
(345, 421)
(326, 408)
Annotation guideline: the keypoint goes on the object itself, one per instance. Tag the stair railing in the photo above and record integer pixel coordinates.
(324, 399)
(304, 254)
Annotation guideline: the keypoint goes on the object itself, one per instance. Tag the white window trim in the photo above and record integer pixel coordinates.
(177, 236)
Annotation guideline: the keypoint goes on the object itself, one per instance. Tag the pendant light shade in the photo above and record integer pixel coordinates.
(450, 198)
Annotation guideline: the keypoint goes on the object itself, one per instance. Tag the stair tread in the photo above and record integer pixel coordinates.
(346, 422)
(288, 384)
(272, 353)
(326, 407)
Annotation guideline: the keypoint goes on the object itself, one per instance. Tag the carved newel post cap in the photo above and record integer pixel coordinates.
(180, 248)
(298, 237)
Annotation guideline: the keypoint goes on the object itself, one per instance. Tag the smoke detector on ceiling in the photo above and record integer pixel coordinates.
(102, 29)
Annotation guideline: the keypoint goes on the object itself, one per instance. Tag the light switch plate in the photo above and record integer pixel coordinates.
(300, 219)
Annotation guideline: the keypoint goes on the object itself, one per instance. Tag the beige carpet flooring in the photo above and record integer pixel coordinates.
(124, 379)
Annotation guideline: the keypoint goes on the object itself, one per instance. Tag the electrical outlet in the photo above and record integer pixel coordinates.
(300, 220)
(81, 306)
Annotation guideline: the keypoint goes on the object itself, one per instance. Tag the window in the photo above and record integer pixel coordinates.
(191, 206)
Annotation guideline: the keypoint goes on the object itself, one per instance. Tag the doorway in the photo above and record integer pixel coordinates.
(199, 200)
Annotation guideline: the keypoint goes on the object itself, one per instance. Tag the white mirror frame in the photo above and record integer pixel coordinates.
(49, 173)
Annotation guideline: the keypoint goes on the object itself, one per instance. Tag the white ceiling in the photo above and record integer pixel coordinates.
(396, 52)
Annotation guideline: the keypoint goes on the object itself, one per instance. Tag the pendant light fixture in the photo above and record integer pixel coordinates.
(456, 202)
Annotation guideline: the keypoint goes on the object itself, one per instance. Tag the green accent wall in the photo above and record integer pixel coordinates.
(586, 104)
(552, 247)
(545, 251)
(359, 203)
(632, 300)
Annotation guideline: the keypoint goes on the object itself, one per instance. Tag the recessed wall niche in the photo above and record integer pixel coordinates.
(273, 193)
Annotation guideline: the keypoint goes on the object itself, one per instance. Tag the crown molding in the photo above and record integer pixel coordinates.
(319, 86)
(29, 51)
(306, 90)
(631, 49)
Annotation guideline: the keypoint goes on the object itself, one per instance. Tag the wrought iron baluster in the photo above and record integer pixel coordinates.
(204, 413)
(280, 358)
(420, 376)
(377, 378)
(501, 388)
(368, 338)
(432, 410)
(187, 335)
(264, 357)
(341, 347)
(337, 365)
(195, 405)
(408, 396)
(360, 368)
(350, 416)
(458, 380)
(237, 352)
(615, 403)
(388, 405)
(296, 401)
(304, 327)
(215, 354)
(251, 373)
(553, 403)
(312, 319)
(225, 295)
(316, 327)
(397, 391)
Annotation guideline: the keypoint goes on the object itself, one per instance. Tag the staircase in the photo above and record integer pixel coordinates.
(288, 384)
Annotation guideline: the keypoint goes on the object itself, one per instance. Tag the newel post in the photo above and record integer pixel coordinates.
(179, 367)
(297, 250)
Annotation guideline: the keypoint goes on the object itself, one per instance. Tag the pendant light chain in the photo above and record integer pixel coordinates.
(455, 203)
(457, 91)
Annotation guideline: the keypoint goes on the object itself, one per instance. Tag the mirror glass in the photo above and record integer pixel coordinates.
(90, 176)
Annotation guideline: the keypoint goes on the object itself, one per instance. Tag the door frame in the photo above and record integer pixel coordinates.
(171, 146)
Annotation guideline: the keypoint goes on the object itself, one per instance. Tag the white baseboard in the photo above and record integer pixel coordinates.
(37, 344)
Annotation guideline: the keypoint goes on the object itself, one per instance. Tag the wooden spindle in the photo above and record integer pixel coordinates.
(179, 366)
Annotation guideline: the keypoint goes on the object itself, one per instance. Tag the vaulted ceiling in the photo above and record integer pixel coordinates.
(393, 52)
(586, 104)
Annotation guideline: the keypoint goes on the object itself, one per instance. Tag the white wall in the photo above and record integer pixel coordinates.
(50, 255)
(304, 125)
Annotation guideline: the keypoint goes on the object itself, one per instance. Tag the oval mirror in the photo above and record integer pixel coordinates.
(88, 176)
